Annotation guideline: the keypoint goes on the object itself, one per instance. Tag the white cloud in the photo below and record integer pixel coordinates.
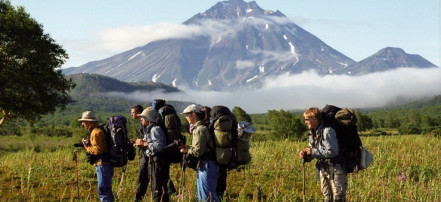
(105, 43)
(307, 89)
(244, 64)
(127, 37)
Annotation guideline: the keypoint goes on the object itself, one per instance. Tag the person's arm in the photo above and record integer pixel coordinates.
(158, 139)
(98, 143)
(199, 143)
(328, 147)
(306, 153)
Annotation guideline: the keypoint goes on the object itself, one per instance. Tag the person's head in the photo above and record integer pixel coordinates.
(88, 120)
(313, 117)
(135, 110)
(205, 113)
(192, 114)
(148, 116)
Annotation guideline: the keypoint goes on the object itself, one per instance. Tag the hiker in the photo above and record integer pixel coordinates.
(323, 146)
(143, 173)
(221, 184)
(202, 147)
(96, 146)
(154, 142)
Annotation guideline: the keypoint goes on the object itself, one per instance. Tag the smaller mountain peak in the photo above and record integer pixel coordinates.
(390, 50)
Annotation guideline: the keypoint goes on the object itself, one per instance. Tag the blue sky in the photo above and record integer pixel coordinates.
(95, 30)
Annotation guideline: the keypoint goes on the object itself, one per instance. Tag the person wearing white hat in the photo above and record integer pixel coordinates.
(97, 147)
(154, 142)
(202, 147)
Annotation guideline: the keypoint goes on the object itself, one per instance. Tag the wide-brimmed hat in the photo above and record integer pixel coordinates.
(192, 108)
(88, 116)
(149, 114)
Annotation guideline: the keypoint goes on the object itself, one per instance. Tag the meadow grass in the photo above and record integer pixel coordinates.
(405, 168)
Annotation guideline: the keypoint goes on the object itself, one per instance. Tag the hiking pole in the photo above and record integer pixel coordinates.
(182, 182)
(75, 159)
(121, 182)
(303, 170)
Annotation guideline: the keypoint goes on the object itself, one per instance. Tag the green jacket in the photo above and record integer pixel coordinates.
(202, 142)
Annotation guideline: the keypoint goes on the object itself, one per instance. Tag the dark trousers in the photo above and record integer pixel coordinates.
(159, 168)
(143, 177)
(221, 181)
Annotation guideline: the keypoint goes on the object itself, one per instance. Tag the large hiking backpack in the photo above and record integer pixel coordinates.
(344, 123)
(170, 122)
(245, 131)
(223, 128)
(119, 146)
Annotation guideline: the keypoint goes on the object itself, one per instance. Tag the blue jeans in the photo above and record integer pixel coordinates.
(104, 174)
(207, 180)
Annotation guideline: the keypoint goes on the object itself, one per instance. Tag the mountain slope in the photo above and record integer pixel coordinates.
(386, 59)
(239, 45)
(91, 92)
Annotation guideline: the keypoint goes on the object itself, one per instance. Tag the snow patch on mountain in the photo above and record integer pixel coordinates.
(174, 82)
(249, 80)
(136, 54)
(155, 78)
(262, 68)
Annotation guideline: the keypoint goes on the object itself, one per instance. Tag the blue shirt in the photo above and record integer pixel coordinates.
(326, 145)
(155, 138)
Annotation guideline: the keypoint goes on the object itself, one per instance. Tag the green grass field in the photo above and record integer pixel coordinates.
(405, 168)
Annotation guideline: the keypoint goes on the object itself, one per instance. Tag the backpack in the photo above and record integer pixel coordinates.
(120, 150)
(223, 128)
(170, 123)
(245, 131)
(350, 146)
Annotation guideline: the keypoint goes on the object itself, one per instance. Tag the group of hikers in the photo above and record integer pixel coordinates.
(211, 176)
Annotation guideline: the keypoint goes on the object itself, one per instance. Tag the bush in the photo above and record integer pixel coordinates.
(409, 129)
(436, 132)
(10, 129)
(285, 124)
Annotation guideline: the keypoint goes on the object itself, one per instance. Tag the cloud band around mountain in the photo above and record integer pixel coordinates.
(307, 89)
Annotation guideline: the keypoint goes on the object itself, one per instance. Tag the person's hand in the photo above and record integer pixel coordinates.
(84, 141)
(184, 150)
(308, 151)
(305, 152)
(302, 154)
(139, 143)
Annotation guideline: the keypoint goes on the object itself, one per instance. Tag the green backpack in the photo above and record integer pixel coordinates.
(224, 130)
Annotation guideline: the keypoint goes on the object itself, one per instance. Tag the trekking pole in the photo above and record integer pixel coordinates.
(75, 159)
(182, 182)
(303, 170)
(121, 182)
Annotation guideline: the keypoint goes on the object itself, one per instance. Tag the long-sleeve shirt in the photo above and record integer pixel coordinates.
(98, 144)
(202, 141)
(155, 138)
(324, 143)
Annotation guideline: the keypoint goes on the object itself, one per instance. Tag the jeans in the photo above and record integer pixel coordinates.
(207, 180)
(104, 175)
